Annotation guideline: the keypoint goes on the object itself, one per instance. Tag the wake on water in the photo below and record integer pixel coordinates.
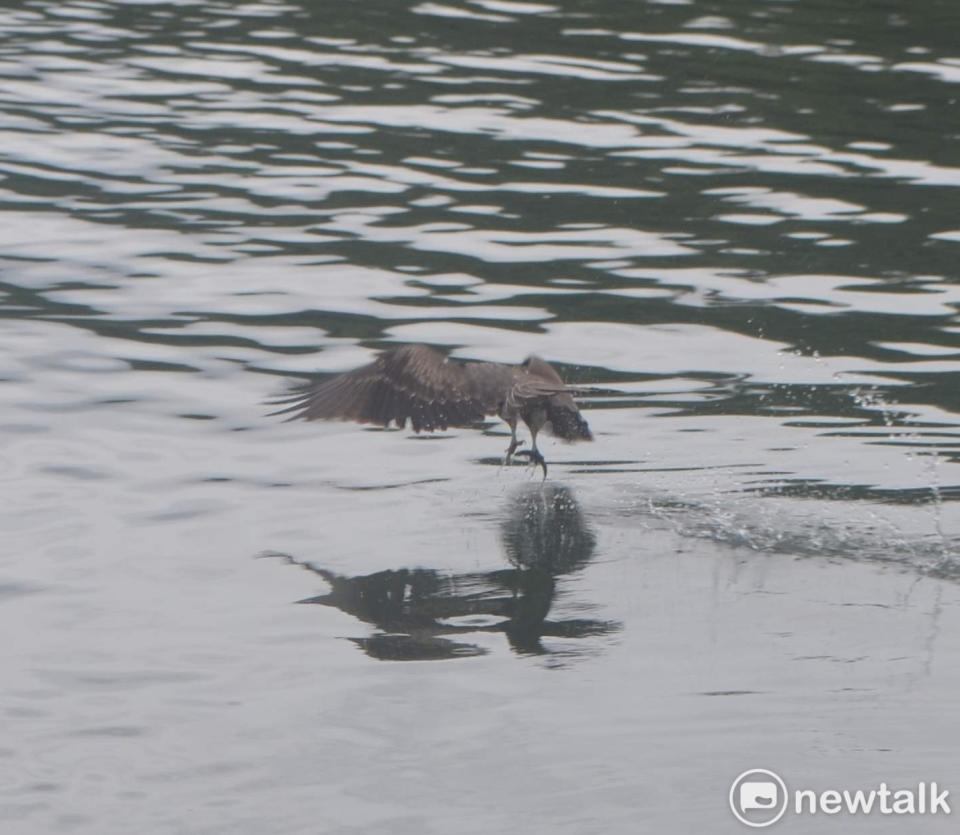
(909, 535)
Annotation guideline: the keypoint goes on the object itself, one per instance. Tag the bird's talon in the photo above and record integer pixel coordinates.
(510, 451)
(536, 459)
(539, 459)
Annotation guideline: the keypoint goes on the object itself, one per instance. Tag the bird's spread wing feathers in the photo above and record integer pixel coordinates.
(414, 383)
(528, 387)
(419, 384)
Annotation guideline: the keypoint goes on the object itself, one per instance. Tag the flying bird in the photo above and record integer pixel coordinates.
(419, 384)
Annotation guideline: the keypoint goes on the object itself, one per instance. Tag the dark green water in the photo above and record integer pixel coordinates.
(741, 216)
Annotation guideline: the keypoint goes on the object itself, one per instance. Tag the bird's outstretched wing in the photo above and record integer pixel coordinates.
(414, 383)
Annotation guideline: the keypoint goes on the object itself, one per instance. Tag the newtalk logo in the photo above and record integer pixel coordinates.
(759, 798)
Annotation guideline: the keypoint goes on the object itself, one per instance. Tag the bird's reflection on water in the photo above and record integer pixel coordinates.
(424, 614)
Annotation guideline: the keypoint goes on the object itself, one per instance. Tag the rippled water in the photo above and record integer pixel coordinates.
(738, 220)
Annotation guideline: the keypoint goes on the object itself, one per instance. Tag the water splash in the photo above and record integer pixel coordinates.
(812, 528)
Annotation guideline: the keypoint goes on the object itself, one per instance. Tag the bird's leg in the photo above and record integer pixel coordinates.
(514, 443)
(535, 456)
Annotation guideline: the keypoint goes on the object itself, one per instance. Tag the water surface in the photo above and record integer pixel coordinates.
(741, 217)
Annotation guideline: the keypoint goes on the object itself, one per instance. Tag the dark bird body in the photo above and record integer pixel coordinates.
(420, 385)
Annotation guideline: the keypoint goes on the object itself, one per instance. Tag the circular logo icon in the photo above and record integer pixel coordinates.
(758, 798)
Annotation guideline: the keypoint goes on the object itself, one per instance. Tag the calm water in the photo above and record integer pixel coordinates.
(742, 216)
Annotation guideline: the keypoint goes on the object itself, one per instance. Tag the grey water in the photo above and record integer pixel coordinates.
(738, 221)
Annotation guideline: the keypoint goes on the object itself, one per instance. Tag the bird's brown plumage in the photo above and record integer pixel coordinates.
(419, 384)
